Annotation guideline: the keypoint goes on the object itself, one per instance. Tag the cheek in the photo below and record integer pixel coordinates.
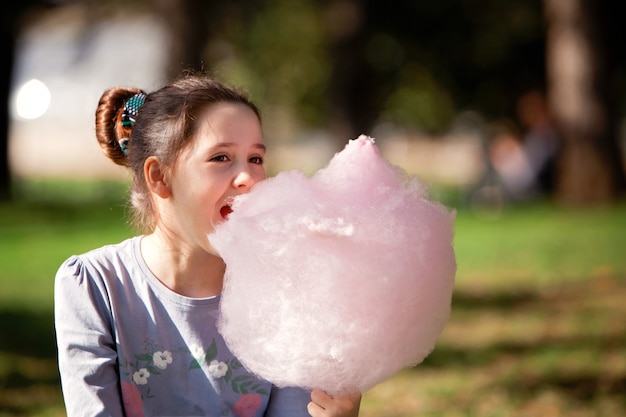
(199, 203)
(259, 175)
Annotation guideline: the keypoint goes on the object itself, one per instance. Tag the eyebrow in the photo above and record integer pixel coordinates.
(259, 146)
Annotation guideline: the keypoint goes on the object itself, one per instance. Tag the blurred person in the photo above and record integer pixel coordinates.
(526, 166)
(136, 321)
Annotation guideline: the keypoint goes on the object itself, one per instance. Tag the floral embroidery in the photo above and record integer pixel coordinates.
(197, 352)
(201, 356)
(230, 377)
(243, 384)
(162, 359)
(147, 364)
(217, 369)
(226, 372)
(247, 405)
(141, 376)
(132, 400)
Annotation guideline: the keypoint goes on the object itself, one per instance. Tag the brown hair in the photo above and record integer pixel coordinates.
(163, 126)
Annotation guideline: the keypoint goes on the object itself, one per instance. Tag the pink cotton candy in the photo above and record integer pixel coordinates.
(337, 281)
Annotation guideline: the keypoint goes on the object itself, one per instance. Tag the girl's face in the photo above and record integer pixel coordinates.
(223, 160)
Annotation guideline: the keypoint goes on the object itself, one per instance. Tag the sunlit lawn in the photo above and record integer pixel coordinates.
(538, 326)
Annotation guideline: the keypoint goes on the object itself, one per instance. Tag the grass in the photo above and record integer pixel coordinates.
(46, 224)
(559, 353)
(538, 325)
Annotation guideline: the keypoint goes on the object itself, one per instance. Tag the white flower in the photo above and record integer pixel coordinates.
(197, 351)
(141, 376)
(217, 369)
(162, 359)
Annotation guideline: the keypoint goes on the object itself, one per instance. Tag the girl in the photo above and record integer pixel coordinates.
(135, 321)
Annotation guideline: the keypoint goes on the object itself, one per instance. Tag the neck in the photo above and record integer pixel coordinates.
(187, 270)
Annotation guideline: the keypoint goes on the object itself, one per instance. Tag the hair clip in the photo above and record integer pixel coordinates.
(131, 108)
(124, 145)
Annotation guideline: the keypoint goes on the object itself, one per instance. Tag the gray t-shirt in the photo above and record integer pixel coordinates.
(129, 346)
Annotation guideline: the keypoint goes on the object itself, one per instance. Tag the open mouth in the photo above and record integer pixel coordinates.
(225, 211)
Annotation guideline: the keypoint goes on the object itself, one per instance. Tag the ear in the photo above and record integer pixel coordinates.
(155, 177)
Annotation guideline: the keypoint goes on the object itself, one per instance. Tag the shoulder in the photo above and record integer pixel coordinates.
(100, 262)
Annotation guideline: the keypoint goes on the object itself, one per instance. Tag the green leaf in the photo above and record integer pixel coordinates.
(244, 386)
(235, 387)
(211, 352)
(235, 364)
(153, 370)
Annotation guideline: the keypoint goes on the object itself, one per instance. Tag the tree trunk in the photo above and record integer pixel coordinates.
(351, 89)
(590, 169)
(188, 25)
(7, 54)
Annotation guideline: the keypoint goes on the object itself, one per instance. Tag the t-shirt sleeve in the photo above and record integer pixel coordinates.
(288, 402)
(85, 340)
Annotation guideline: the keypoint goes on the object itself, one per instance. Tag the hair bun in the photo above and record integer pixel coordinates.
(115, 116)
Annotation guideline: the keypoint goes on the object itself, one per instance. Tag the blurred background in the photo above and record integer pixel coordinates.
(514, 114)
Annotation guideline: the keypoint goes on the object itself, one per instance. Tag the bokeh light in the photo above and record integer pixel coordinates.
(32, 100)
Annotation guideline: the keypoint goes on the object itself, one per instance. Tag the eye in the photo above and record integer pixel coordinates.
(256, 160)
(219, 158)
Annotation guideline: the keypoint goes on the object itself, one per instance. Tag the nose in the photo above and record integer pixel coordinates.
(243, 179)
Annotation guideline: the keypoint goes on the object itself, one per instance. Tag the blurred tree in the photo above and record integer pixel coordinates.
(7, 54)
(282, 59)
(348, 65)
(195, 26)
(352, 90)
(583, 43)
(416, 64)
(188, 24)
(12, 15)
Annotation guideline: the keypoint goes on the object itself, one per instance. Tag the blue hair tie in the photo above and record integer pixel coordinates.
(124, 145)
